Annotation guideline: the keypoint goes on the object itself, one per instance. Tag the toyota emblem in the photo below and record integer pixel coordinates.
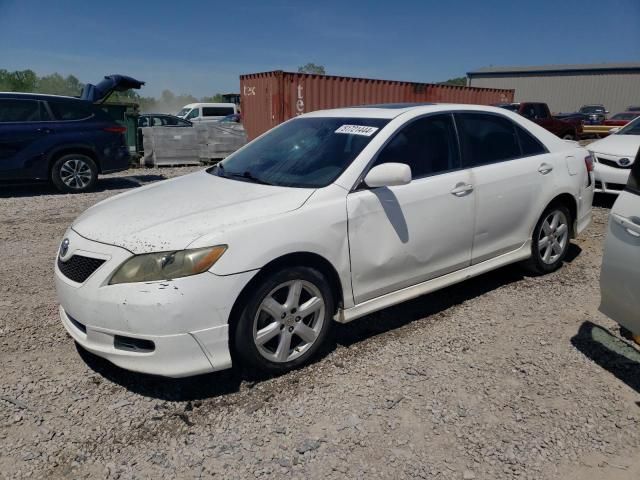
(64, 247)
(624, 162)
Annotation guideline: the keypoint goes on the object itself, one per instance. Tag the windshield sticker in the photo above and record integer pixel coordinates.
(357, 130)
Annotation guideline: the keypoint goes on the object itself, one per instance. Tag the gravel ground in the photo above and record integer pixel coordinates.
(503, 376)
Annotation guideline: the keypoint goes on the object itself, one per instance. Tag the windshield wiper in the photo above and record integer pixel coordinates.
(249, 176)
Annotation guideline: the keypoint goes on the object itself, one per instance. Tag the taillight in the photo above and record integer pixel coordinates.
(588, 161)
(115, 129)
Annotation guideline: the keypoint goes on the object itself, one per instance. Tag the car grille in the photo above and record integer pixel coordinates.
(612, 163)
(79, 268)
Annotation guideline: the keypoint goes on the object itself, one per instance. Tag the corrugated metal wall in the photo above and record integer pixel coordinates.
(270, 98)
(568, 92)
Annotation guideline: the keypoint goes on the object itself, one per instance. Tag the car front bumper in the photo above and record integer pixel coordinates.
(174, 328)
(610, 179)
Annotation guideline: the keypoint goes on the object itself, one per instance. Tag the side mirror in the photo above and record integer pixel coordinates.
(388, 175)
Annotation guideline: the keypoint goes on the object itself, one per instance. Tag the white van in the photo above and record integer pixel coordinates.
(207, 112)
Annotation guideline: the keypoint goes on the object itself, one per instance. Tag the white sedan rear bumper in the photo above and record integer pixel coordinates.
(173, 328)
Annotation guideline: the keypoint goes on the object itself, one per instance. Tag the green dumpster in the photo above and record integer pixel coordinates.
(126, 114)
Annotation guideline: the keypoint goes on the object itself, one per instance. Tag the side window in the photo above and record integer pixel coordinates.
(143, 122)
(216, 111)
(157, 122)
(428, 145)
(71, 110)
(44, 112)
(486, 138)
(193, 113)
(528, 111)
(539, 111)
(528, 143)
(16, 110)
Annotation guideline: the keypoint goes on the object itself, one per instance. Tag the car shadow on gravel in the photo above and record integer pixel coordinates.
(609, 352)
(198, 387)
(14, 190)
(604, 200)
(229, 381)
(407, 312)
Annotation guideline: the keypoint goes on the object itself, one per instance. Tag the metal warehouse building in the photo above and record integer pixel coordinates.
(567, 87)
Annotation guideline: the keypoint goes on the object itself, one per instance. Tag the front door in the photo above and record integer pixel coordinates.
(620, 275)
(403, 235)
(23, 138)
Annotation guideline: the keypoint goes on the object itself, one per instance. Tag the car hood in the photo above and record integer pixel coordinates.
(618, 145)
(172, 214)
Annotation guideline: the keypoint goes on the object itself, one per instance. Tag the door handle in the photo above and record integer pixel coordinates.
(462, 189)
(545, 168)
(630, 226)
(44, 130)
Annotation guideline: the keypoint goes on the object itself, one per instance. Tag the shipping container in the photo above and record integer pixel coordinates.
(270, 98)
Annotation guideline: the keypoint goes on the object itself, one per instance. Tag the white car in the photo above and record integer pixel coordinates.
(328, 217)
(207, 112)
(614, 157)
(620, 275)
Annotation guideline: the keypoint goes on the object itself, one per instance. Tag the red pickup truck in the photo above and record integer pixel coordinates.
(539, 113)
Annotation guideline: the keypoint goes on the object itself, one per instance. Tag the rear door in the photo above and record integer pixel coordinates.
(620, 274)
(25, 130)
(512, 174)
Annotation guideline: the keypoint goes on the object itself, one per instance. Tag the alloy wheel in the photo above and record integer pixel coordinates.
(553, 237)
(75, 173)
(288, 321)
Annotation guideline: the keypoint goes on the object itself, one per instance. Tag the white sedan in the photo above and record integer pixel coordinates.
(614, 157)
(328, 217)
(620, 275)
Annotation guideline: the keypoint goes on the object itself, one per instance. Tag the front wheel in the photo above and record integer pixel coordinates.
(285, 321)
(550, 241)
(568, 136)
(74, 173)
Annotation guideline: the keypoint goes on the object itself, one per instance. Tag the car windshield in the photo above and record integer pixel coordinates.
(592, 109)
(305, 152)
(632, 128)
(624, 116)
(183, 112)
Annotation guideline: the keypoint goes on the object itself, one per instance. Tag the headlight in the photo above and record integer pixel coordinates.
(167, 265)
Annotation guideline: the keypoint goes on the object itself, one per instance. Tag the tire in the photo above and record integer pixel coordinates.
(548, 256)
(74, 173)
(272, 309)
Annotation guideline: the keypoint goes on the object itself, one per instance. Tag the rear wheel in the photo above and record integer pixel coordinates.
(285, 321)
(550, 241)
(74, 173)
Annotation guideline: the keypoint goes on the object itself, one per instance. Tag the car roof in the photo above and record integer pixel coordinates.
(393, 110)
(38, 96)
(209, 104)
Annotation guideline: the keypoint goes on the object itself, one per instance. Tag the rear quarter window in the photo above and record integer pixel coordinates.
(68, 111)
(529, 144)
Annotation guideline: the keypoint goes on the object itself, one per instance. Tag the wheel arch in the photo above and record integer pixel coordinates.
(570, 202)
(61, 151)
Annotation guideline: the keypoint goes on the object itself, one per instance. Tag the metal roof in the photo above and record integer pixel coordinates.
(557, 68)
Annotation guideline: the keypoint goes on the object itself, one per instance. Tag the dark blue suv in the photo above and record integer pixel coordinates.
(65, 140)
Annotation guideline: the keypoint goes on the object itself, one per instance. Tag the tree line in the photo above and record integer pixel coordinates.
(56, 84)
